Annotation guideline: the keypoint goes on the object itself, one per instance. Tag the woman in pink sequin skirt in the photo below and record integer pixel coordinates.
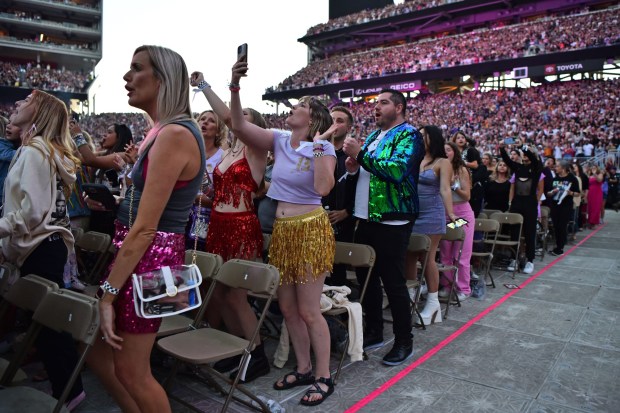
(150, 225)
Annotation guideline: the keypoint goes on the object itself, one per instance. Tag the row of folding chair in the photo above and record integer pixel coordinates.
(60, 310)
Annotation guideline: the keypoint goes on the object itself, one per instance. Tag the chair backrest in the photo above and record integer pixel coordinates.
(71, 312)
(355, 255)
(545, 211)
(486, 225)
(207, 263)
(509, 218)
(253, 276)
(419, 243)
(483, 215)
(94, 241)
(77, 233)
(490, 212)
(28, 292)
(454, 234)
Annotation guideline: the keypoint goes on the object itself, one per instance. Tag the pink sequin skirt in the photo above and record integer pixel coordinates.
(166, 249)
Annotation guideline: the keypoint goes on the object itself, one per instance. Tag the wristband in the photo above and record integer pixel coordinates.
(108, 287)
(234, 89)
(202, 85)
(319, 154)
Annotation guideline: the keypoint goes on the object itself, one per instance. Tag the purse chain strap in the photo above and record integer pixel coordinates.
(131, 219)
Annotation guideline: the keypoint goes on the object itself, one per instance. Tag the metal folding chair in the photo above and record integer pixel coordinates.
(64, 311)
(420, 245)
(97, 246)
(509, 218)
(208, 345)
(489, 228)
(452, 235)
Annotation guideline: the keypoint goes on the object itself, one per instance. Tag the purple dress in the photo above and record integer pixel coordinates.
(432, 217)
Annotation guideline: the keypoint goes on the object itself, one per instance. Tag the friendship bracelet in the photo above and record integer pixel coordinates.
(234, 89)
(202, 85)
(108, 287)
(319, 154)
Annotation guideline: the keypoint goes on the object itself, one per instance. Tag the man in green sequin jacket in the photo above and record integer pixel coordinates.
(385, 171)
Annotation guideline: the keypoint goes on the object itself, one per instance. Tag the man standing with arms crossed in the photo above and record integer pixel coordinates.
(385, 172)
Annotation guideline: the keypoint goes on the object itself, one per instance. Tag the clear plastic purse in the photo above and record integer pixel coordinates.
(167, 291)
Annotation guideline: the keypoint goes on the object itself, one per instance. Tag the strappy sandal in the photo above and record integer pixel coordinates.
(300, 380)
(316, 389)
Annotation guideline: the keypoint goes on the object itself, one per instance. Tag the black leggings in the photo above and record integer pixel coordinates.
(57, 350)
(528, 207)
(561, 215)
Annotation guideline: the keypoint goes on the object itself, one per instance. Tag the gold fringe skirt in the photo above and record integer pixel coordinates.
(302, 247)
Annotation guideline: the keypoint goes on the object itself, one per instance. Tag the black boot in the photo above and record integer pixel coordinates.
(227, 364)
(257, 367)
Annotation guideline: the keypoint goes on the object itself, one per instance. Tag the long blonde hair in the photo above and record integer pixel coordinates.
(51, 122)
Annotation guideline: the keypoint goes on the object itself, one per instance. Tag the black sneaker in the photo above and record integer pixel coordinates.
(372, 340)
(400, 352)
(227, 364)
(556, 252)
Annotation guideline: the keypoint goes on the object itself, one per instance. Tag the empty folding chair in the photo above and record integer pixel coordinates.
(420, 245)
(208, 345)
(208, 264)
(509, 218)
(93, 254)
(455, 235)
(26, 293)
(357, 256)
(63, 311)
(489, 228)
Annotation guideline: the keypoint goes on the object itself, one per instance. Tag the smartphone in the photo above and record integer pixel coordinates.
(100, 193)
(242, 52)
(457, 224)
(509, 141)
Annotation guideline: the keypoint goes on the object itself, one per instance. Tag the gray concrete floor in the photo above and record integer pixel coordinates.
(553, 346)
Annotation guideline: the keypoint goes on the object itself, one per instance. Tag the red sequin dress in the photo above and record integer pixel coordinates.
(234, 234)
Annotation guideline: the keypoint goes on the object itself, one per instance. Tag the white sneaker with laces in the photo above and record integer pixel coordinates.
(462, 296)
(529, 268)
(512, 265)
(474, 276)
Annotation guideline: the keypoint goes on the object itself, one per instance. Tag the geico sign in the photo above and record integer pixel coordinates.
(405, 86)
(573, 66)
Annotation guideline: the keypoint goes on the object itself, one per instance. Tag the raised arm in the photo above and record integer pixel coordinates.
(250, 134)
(219, 107)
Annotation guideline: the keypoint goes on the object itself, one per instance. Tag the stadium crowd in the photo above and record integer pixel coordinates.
(548, 35)
(366, 16)
(213, 167)
(44, 77)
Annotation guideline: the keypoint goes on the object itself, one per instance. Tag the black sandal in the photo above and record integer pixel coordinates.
(316, 389)
(300, 380)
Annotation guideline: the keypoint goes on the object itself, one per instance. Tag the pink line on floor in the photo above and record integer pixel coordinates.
(377, 392)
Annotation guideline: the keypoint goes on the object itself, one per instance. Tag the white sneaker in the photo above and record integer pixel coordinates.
(474, 276)
(444, 292)
(512, 265)
(462, 296)
(529, 268)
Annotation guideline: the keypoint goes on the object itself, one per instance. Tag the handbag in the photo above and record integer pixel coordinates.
(169, 290)
(199, 220)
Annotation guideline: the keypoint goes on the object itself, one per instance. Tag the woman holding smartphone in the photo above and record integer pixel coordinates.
(435, 204)
(234, 230)
(302, 245)
(460, 183)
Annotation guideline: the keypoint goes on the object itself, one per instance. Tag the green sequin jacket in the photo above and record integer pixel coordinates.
(394, 168)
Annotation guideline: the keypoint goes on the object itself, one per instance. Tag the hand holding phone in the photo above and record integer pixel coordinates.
(242, 54)
(459, 222)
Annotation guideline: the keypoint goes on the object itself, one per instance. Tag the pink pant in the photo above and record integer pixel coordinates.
(450, 250)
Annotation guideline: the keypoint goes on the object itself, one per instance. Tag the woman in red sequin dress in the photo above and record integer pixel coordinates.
(234, 230)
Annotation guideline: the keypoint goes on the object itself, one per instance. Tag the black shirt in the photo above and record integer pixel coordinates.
(566, 184)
